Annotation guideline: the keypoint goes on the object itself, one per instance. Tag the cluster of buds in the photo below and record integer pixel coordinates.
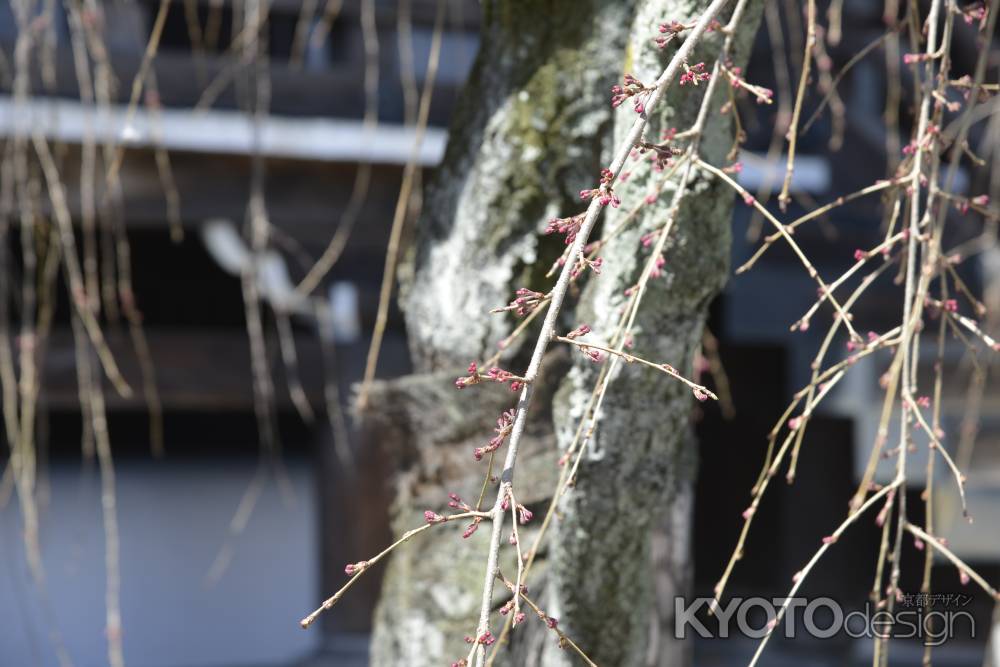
(661, 154)
(631, 88)
(597, 356)
(495, 374)
(505, 423)
(914, 58)
(858, 344)
(929, 138)
(550, 622)
(471, 528)
(883, 514)
(965, 85)
(762, 94)
(980, 202)
(455, 502)
(588, 249)
(603, 192)
(509, 607)
(524, 515)
(734, 168)
(668, 31)
(584, 263)
(525, 302)
(433, 517)
(569, 226)
(352, 569)
(693, 74)
(486, 639)
(863, 255)
(935, 307)
(581, 330)
(976, 12)
(657, 269)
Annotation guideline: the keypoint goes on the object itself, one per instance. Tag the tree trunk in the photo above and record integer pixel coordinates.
(992, 655)
(530, 132)
(637, 476)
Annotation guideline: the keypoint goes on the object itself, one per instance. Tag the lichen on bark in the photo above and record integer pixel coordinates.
(527, 136)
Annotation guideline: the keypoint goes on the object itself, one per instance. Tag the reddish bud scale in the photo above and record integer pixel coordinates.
(524, 514)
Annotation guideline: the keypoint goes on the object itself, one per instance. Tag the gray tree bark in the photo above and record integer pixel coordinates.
(992, 655)
(637, 477)
(531, 131)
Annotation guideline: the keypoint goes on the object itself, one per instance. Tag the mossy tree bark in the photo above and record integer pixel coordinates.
(531, 131)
